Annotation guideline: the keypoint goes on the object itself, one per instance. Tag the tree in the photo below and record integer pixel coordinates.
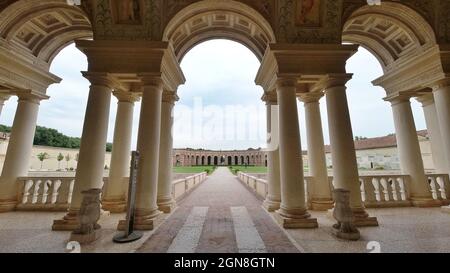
(68, 158)
(42, 157)
(60, 158)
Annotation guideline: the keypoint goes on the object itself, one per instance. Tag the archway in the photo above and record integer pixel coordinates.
(405, 45)
(213, 19)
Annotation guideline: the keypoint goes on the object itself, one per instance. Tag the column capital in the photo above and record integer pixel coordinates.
(270, 98)
(426, 99)
(310, 97)
(31, 96)
(286, 81)
(151, 79)
(332, 80)
(100, 79)
(398, 98)
(124, 96)
(4, 96)
(169, 97)
(445, 82)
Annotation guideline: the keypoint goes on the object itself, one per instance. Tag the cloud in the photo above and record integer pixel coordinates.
(222, 74)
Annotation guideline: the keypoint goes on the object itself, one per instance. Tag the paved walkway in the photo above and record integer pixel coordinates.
(220, 216)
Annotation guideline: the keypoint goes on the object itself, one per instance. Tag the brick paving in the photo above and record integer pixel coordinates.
(219, 193)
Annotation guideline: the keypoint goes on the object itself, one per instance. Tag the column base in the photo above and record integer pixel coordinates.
(362, 218)
(322, 204)
(425, 202)
(445, 209)
(144, 220)
(70, 221)
(295, 219)
(114, 205)
(7, 205)
(167, 206)
(271, 205)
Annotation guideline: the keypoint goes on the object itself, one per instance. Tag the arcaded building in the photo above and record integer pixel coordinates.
(199, 157)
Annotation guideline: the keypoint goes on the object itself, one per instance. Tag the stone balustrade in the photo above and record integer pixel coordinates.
(45, 193)
(258, 185)
(181, 187)
(385, 190)
(55, 193)
(377, 191)
(440, 187)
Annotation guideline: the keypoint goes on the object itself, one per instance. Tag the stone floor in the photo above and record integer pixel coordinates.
(221, 215)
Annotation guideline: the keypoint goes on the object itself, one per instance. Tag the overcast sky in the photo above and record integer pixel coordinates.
(219, 102)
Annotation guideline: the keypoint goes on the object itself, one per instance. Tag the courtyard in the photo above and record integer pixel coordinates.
(229, 218)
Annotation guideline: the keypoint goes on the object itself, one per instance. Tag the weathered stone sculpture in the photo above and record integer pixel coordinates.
(88, 216)
(345, 227)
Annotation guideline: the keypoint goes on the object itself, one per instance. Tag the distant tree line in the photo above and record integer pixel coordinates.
(52, 138)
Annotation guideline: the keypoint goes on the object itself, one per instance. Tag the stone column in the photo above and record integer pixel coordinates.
(345, 167)
(409, 153)
(3, 99)
(114, 197)
(19, 149)
(292, 212)
(434, 133)
(165, 201)
(441, 95)
(91, 160)
(147, 212)
(321, 191)
(273, 199)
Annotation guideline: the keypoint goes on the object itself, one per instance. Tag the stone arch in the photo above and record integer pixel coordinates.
(41, 29)
(213, 19)
(393, 32)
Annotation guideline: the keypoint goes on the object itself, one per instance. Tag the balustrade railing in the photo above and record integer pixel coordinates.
(182, 186)
(46, 193)
(55, 193)
(257, 185)
(440, 187)
(377, 191)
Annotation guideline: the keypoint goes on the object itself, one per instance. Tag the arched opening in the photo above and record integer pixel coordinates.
(400, 39)
(213, 19)
(209, 161)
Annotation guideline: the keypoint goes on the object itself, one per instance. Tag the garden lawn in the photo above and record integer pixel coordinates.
(195, 169)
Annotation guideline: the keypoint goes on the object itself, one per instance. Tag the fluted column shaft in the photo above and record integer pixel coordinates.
(273, 199)
(434, 133)
(409, 153)
(321, 191)
(19, 149)
(442, 102)
(114, 199)
(165, 201)
(148, 145)
(292, 212)
(91, 160)
(345, 167)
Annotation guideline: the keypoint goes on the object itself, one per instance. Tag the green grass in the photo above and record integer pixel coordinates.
(195, 169)
(248, 169)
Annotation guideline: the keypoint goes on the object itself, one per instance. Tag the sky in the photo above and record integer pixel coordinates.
(220, 106)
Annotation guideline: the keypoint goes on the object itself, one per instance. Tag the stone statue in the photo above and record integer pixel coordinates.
(345, 227)
(88, 217)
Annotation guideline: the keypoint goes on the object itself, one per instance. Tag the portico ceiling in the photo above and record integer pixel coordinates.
(213, 19)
